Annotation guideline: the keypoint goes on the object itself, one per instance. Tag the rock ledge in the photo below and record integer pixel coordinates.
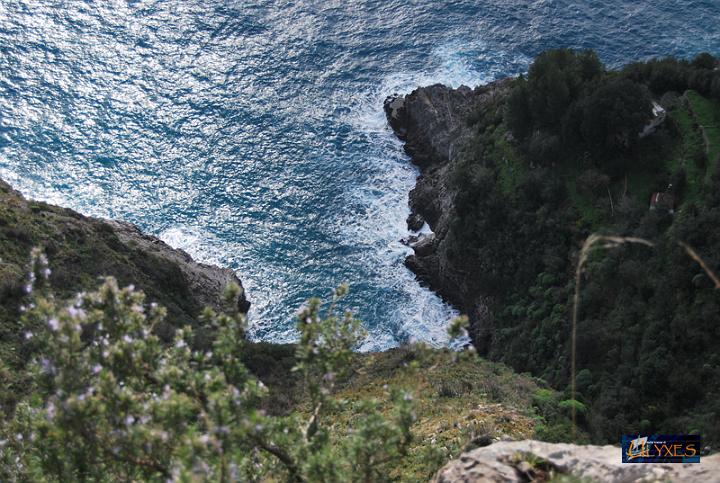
(529, 460)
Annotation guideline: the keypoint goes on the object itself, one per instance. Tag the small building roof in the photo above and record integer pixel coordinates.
(665, 201)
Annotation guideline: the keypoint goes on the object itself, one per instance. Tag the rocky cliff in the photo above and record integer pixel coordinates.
(80, 249)
(510, 205)
(435, 124)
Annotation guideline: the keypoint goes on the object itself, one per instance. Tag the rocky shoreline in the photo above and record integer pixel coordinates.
(433, 123)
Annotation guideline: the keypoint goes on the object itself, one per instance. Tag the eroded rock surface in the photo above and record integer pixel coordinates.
(528, 460)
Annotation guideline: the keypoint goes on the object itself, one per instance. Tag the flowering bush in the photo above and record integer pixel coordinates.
(110, 401)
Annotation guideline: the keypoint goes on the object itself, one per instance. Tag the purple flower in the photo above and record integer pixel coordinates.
(76, 313)
(47, 366)
(54, 324)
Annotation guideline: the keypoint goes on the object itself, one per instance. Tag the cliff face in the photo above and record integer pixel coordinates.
(508, 217)
(434, 123)
(80, 249)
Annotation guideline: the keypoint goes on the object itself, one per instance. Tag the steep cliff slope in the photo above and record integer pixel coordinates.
(509, 216)
(436, 124)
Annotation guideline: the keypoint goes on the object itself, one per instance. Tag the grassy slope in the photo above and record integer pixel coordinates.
(458, 399)
(706, 112)
(512, 168)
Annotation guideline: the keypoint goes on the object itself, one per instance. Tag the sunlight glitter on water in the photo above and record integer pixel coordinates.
(251, 134)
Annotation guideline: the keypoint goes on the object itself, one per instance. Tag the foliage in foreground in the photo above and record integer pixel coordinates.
(112, 402)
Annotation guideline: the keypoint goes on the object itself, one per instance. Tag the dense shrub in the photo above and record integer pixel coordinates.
(556, 79)
(568, 104)
(678, 75)
(112, 402)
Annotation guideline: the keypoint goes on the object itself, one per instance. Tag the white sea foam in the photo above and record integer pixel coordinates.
(422, 315)
(198, 243)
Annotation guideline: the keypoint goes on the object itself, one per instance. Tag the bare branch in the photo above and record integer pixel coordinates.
(606, 241)
(694, 255)
(283, 457)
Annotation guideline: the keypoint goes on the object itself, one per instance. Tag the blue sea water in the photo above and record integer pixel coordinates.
(251, 134)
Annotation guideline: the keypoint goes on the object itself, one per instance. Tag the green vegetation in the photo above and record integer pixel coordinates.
(81, 250)
(111, 402)
(677, 75)
(108, 400)
(706, 113)
(512, 169)
(648, 329)
(568, 105)
(461, 402)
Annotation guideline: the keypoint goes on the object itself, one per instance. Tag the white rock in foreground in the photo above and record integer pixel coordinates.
(522, 461)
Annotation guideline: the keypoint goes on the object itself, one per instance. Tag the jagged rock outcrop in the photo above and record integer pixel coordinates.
(528, 460)
(206, 282)
(433, 122)
(430, 120)
(81, 249)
